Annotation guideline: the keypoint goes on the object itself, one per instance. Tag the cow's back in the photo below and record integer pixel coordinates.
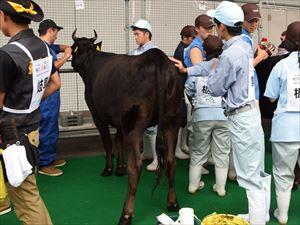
(123, 82)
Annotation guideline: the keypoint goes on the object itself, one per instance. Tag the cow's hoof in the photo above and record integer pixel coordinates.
(125, 220)
(121, 170)
(173, 207)
(106, 172)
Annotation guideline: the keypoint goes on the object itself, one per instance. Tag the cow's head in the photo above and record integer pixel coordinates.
(84, 45)
(83, 49)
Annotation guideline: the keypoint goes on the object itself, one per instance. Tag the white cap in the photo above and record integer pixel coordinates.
(228, 13)
(142, 24)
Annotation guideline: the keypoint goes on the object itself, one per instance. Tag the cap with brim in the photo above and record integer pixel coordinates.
(228, 13)
(204, 21)
(251, 11)
(142, 24)
(46, 24)
(24, 8)
(188, 31)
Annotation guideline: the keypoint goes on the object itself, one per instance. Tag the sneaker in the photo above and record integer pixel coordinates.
(50, 171)
(59, 163)
(5, 206)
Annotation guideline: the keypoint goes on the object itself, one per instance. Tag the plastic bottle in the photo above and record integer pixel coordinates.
(263, 43)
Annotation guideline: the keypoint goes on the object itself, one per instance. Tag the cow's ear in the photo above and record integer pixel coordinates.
(98, 46)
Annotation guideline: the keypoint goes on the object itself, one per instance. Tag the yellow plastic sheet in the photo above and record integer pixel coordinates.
(223, 219)
(3, 191)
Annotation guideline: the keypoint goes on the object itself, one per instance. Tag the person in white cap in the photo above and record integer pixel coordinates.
(142, 32)
(232, 78)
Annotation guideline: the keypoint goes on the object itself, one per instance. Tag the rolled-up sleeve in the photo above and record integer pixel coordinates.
(220, 79)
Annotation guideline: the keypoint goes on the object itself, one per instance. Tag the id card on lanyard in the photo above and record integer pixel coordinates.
(41, 70)
(293, 89)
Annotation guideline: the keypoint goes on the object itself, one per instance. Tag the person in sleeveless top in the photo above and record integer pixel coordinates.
(27, 75)
(284, 85)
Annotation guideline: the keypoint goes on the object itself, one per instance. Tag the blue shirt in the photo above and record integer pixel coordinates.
(196, 43)
(285, 125)
(54, 51)
(247, 37)
(230, 78)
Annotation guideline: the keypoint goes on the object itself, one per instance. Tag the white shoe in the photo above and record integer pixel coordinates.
(183, 140)
(149, 144)
(204, 171)
(281, 221)
(152, 166)
(221, 177)
(283, 203)
(232, 175)
(179, 154)
(266, 185)
(193, 190)
(257, 207)
(220, 191)
(195, 182)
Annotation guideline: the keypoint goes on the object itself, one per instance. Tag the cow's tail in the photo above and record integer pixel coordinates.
(160, 142)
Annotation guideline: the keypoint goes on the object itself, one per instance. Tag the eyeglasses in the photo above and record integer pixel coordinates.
(255, 20)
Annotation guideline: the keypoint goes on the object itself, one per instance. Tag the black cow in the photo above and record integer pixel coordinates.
(132, 93)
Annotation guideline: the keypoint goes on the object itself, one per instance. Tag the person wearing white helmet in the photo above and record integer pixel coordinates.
(142, 32)
(232, 78)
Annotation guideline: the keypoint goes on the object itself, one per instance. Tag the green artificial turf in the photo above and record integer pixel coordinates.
(81, 196)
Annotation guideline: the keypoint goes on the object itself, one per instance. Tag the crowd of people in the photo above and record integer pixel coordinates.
(221, 118)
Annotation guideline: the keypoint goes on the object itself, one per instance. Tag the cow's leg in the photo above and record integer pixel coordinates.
(132, 144)
(107, 142)
(121, 170)
(170, 135)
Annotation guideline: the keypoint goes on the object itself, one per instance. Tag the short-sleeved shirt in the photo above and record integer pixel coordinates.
(285, 125)
(9, 76)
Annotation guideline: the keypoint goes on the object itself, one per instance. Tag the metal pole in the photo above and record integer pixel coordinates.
(143, 9)
(126, 28)
(260, 29)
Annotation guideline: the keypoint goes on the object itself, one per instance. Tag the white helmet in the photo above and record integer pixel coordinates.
(142, 24)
